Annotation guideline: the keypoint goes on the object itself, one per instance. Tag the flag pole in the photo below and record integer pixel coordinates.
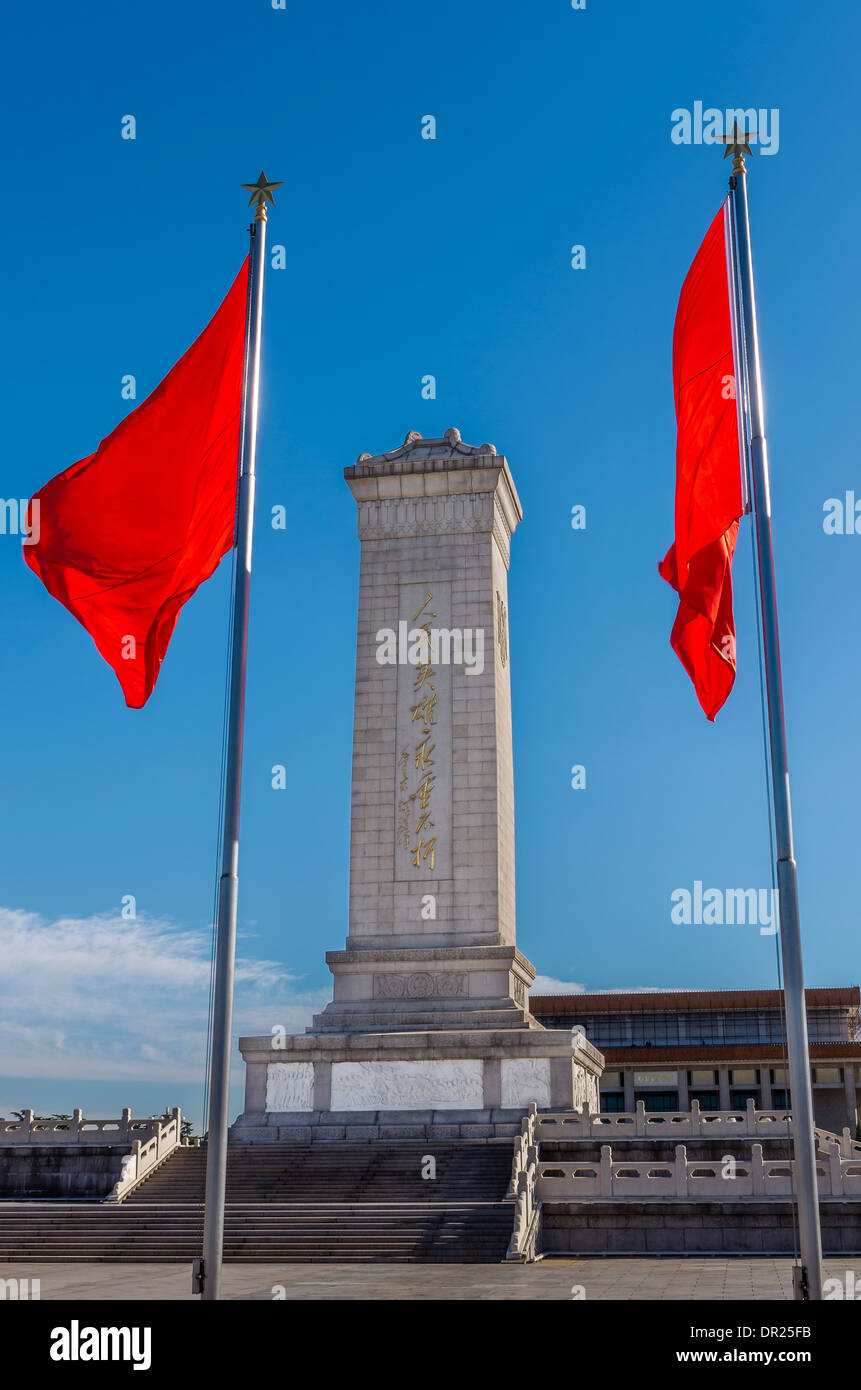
(208, 1272)
(809, 1285)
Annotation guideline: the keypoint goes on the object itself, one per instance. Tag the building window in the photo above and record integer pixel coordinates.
(744, 1076)
(709, 1100)
(659, 1100)
(781, 1099)
(706, 1027)
(612, 1102)
(702, 1078)
(740, 1099)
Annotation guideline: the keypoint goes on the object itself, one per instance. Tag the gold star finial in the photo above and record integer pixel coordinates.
(261, 194)
(737, 146)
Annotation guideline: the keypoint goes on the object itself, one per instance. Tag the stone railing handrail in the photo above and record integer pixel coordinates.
(80, 1130)
(687, 1179)
(524, 1173)
(146, 1154)
(849, 1147)
(522, 1143)
(683, 1124)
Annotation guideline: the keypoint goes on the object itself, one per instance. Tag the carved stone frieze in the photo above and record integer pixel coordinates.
(423, 984)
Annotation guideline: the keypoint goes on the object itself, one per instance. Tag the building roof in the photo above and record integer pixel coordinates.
(725, 1052)
(677, 1000)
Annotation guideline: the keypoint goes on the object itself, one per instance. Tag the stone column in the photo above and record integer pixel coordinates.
(684, 1100)
(851, 1101)
(628, 1079)
(431, 928)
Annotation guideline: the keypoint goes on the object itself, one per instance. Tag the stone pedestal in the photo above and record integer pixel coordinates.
(470, 1084)
(429, 1015)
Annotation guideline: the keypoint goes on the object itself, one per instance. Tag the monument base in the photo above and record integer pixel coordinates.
(474, 1084)
(370, 1126)
(450, 988)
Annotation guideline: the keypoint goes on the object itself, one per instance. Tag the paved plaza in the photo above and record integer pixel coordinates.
(670, 1279)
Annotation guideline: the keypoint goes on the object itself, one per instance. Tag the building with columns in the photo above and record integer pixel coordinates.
(719, 1047)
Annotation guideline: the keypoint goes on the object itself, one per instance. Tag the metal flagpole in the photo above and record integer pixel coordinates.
(809, 1286)
(208, 1272)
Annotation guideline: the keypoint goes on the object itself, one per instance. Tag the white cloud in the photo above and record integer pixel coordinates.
(641, 989)
(545, 984)
(106, 998)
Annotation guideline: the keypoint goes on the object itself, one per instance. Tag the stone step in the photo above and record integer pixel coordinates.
(349, 1202)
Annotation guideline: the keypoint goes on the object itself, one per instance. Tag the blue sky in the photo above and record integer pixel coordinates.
(406, 257)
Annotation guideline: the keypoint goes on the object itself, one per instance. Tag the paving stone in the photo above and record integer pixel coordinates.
(619, 1279)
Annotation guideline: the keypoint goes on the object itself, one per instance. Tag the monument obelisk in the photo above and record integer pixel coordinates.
(428, 1033)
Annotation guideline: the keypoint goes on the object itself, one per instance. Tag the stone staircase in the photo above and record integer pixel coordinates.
(351, 1203)
(356, 1173)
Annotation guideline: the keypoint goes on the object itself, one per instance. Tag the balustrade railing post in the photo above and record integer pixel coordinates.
(757, 1171)
(605, 1178)
(681, 1170)
(523, 1196)
(835, 1169)
(516, 1162)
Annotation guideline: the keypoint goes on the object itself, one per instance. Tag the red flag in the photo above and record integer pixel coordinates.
(126, 535)
(708, 475)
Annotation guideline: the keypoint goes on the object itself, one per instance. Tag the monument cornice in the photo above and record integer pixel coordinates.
(435, 468)
(415, 448)
(362, 956)
(459, 1043)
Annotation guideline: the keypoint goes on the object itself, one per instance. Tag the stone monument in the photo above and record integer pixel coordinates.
(428, 1034)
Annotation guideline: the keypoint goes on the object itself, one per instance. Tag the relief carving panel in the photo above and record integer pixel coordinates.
(423, 984)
